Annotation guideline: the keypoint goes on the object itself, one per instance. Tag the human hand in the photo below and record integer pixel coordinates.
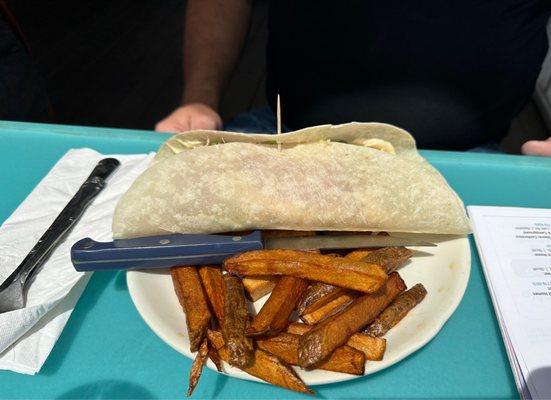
(190, 117)
(537, 148)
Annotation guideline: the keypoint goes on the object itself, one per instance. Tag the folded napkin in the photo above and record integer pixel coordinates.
(28, 335)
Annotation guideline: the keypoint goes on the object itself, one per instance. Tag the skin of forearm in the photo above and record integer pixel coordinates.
(215, 31)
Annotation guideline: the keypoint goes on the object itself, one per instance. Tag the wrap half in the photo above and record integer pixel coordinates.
(350, 177)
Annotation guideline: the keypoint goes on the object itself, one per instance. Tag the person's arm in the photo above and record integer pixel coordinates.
(537, 148)
(215, 31)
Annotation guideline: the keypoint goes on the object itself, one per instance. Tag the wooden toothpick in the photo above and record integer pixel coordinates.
(278, 122)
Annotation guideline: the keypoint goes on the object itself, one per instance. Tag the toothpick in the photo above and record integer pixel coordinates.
(278, 122)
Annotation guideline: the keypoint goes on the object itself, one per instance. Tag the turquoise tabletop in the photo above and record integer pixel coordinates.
(107, 351)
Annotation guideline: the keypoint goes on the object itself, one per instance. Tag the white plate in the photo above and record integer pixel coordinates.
(443, 270)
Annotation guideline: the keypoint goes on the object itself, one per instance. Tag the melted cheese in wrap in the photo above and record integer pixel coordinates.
(354, 177)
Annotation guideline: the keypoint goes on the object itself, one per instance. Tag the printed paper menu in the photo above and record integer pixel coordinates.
(515, 250)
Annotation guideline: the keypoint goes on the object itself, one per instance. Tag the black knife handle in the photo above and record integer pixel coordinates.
(64, 221)
(103, 169)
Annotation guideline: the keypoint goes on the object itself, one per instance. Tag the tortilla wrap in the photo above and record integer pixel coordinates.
(338, 178)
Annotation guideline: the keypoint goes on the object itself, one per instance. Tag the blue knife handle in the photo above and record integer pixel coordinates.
(160, 251)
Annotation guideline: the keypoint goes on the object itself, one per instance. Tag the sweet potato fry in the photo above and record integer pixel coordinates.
(213, 285)
(285, 346)
(331, 308)
(197, 366)
(273, 317)
(389, 258)
(189, 290)
(317, 344)
(337, 271)
(257, 287)
(317, 295)
(236, 322)
(360, 254)
(397, 310)
(374, 350)
(298, 328)
(373, 347)
(216, 339)
(265, 366)
(215, 358)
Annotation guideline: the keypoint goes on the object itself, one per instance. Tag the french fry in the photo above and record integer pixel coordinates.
(373, 347)
(197, 366)
(298, 328)
(265, 366)
(189, 291)
(236, 323)
(397, 310)
(331, 308)
(360, 254)
(213, 284)
(317, 344)
(374, 350)
(216, 339)
(257, 287)
(285, 346)
(273, 317)
(317, 295)
(215, 358)
(390, 258)
(338, 271)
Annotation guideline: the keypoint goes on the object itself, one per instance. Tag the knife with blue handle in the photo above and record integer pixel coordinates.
(200, 249)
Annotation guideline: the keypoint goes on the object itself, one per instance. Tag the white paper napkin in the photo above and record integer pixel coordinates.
(28, 335)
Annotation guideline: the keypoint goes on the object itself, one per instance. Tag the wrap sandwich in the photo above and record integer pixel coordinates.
(349, 177)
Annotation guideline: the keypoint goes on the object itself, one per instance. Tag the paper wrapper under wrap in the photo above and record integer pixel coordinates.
(323, 178)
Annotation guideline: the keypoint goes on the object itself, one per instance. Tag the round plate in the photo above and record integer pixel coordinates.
(443, 270)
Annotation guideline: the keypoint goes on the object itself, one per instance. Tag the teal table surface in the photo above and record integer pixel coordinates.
(107, 351)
